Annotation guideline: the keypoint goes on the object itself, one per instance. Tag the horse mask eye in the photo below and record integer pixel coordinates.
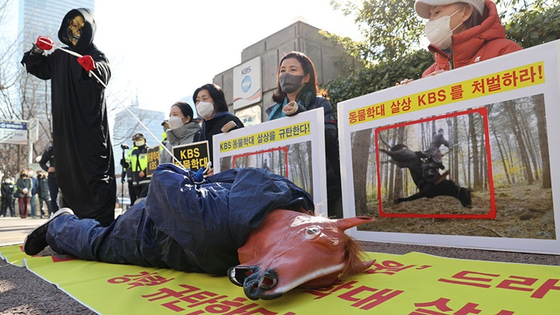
(312, 232)
(75, 29)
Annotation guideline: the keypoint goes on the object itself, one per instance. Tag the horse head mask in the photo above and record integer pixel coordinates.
(291, 249)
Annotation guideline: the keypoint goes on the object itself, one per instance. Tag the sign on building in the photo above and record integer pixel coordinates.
(247, 83)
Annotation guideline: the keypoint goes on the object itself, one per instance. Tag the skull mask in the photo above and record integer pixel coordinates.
(75, 29)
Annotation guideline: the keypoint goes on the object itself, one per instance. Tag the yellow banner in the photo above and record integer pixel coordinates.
(413, 283)
(512, 79)
(269, 136)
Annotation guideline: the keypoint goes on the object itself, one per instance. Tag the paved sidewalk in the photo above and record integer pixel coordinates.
(21, 291)
(14, 230)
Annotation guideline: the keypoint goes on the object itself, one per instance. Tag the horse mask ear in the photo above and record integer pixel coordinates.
(346, 223)
(355, 265)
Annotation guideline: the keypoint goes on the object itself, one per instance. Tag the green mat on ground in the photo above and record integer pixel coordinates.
(413, 283)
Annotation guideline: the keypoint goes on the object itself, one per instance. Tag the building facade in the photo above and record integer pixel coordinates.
(330, 60)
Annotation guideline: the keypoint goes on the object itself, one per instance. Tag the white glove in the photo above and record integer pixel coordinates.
(228, 126)
(291, 108)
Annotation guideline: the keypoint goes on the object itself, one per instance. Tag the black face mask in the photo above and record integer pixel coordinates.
(290, 83)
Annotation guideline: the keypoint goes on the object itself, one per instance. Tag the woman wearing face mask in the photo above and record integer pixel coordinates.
(211, 106)
(463, 32)
(296, 92)
(182, 129)
(23, 193)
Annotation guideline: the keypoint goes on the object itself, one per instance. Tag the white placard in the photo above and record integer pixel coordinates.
(291, 146)
(493, 113)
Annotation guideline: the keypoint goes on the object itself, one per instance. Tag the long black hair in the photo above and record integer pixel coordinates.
(309, 90)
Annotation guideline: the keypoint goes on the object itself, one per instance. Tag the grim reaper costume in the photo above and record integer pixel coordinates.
(85, 168)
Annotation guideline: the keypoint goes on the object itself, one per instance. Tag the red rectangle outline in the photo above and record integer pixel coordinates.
(490, 215)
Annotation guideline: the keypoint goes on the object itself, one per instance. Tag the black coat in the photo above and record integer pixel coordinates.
(214, 126)
(85, 168)
(47, 160)
(43, 190)
(8, 190)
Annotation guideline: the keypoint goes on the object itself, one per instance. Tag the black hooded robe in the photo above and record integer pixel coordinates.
(84, 162)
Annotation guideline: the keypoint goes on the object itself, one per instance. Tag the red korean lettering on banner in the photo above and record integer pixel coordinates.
(493, 83)
(144, 279)
(326, 291)
(441, 307)
(510, 78)
(465, 278)
(378, 297)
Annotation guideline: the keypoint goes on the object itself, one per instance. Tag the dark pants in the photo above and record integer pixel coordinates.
(7, 203)
(47, 201)
(23, 203)
(140, 191)
(32, 204)
(130, 239)
(131, 193)
(53, 192)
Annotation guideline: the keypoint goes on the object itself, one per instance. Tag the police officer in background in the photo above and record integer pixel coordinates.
(138, 159)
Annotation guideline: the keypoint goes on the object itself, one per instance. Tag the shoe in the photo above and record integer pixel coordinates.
(36, 241)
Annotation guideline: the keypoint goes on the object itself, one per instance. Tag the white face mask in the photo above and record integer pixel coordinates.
(439, 31)
(205, 109)
(139, 143)
(175, 122)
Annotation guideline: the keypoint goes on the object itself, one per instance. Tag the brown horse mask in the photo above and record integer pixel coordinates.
(291, 249)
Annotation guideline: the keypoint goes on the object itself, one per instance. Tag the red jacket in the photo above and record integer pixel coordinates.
(478, 43)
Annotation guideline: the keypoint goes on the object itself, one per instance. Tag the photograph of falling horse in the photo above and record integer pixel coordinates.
(482, 171)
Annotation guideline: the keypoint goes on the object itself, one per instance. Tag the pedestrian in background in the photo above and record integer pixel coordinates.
(35, 187)
(23, 193)
(138, 157)
(43, 193)
(7, 190)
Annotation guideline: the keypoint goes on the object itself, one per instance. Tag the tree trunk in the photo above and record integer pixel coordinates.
(360, 154)
(543, 139)
(522, 149)
(477, 184)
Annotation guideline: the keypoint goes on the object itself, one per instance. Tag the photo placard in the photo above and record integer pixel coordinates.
(291, 146)
(460, 159)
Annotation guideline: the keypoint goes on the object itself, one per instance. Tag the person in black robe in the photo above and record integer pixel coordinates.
(85, 168)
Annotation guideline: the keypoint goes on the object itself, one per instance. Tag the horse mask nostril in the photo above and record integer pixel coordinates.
(269, 280)
(238, 275)
(251, 285)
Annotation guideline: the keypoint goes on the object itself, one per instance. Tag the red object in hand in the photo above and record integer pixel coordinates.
(87, 62)
(45, 43)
